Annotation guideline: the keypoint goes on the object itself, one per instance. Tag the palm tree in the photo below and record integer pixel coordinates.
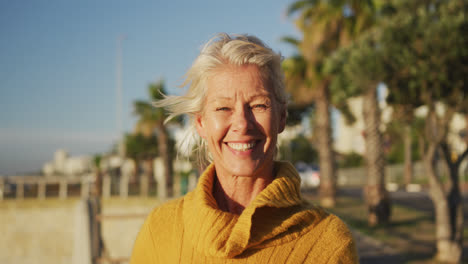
(151, 120)
(326, 26)
(141, 148)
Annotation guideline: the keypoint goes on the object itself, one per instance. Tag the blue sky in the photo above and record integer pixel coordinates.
(58, 65)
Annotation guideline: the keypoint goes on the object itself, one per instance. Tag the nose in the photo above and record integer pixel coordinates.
(242, 120)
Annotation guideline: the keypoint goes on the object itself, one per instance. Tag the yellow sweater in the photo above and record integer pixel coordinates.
(277, 227)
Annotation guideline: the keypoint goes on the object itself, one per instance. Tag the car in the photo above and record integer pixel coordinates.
(309, 174)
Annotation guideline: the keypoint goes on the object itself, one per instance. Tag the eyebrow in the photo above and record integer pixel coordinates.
(263, 95)
(227, 98)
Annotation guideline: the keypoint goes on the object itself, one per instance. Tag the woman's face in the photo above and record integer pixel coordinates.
(240, 121)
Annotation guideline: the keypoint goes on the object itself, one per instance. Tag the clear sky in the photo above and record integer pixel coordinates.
(58, 65)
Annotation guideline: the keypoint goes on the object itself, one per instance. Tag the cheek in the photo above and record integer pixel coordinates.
(276, 121)
(215, 128)
(268, 124)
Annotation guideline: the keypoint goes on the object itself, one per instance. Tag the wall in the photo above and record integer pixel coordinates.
(57, 231)
(119, 232)
(50, 231)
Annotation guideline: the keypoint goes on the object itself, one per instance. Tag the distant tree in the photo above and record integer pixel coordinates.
(350, 160)
(398, 143)
(139, 147)
(151, 121)
(299, 149)
(297, 113)
(404, 115)
(97, 188)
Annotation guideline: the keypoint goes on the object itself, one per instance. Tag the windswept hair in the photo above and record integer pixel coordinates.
(221, 50)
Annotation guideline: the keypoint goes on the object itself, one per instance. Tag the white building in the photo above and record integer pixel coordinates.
(65, 165)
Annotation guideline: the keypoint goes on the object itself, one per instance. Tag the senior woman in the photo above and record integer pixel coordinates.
(246, 208)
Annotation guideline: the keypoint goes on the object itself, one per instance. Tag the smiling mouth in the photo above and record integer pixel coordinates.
(242, 146)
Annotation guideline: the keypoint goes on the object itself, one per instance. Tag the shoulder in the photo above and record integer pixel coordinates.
(339, 237)
(162, 226)
(327, 224)
(169, 213)
(168, 209)
(335, 227)
(334, 239)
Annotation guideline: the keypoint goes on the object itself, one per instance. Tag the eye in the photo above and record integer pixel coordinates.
(223, 108)
(260, 106)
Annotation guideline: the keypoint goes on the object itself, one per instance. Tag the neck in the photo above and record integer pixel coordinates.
(234, 193)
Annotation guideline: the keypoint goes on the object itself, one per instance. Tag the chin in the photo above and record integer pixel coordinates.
(249, 169)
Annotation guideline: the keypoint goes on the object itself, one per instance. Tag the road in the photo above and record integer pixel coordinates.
(416, 200)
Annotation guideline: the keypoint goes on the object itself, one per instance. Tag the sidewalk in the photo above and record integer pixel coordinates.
(371, 250)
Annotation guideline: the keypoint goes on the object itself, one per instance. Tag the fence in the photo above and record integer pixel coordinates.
(18, 184)
(13, 187)
(394, 174)
(63, 187)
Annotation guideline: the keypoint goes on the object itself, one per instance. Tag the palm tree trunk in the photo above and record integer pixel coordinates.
(377, 197)
(165, 154)
(407, 142)
(145, 177)
(464, 132)
(327, 189)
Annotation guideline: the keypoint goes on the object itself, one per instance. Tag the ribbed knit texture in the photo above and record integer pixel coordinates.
(277, 227)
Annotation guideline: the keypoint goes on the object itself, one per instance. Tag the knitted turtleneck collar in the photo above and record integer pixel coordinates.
(277, 215)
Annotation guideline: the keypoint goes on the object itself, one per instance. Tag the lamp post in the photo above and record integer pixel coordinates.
(119, 117)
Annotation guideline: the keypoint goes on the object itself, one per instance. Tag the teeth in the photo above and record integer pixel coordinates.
(242, 146)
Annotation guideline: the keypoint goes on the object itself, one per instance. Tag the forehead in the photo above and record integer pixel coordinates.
(231, 81)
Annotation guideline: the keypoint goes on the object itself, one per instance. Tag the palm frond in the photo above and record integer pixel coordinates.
(157, 90)
(142, 108)
(291, 40)
(300, 5)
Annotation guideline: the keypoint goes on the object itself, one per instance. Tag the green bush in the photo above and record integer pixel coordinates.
(298, 149)
(350, 160)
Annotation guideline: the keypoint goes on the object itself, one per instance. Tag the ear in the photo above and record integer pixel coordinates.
(199, 124)
(282, 122)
